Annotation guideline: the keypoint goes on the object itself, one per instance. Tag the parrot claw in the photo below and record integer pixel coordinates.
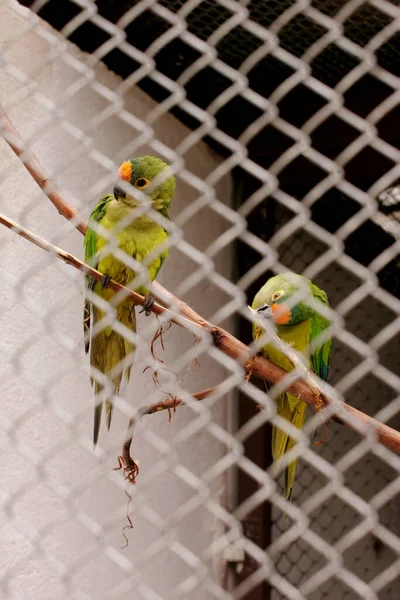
(148, 303)
(105, 280)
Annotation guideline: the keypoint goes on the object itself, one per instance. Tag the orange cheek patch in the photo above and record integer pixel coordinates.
(281, 313)
(125, 171)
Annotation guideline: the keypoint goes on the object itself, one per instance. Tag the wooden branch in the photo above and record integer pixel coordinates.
(36, 170)
(227, 343)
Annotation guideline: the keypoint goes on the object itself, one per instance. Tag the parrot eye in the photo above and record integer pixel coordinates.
(142, 183)
(276, 295)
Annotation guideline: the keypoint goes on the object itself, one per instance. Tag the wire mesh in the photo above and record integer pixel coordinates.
(278, 120)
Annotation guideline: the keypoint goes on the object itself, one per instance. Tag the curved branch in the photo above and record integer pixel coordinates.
(227, 343)
(125, 461)
(31, 163)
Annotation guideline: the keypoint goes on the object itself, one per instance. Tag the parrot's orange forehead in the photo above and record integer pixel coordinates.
(281, 313)
(125, 171)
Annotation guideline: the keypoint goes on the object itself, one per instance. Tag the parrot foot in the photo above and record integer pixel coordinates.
(249, 368)
(319, 406)
(148, 303)
(105, 280)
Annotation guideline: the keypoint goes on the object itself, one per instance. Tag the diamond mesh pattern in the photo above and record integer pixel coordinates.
(279, 121)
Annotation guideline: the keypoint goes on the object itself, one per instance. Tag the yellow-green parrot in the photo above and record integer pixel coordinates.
(291, 302)
(138, 238)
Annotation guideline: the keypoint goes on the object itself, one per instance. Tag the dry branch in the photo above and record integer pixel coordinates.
(125, 461)
(227, 343)
(36, 170)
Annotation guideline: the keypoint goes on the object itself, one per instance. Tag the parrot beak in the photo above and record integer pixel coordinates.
(264, 312)
(267, 312)
(119, 193)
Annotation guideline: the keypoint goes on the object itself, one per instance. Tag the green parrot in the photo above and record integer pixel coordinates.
(138, 238)
(289, 301)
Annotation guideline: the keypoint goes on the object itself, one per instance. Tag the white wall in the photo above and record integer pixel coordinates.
(63, 508)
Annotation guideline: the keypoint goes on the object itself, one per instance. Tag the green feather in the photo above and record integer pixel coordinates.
(301, 331)
(139, 239)
(90, 258)
(90, 239)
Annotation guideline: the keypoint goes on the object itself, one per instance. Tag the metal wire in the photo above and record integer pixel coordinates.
(62, 505)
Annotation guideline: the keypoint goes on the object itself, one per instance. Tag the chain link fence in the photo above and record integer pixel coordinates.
(279, 121)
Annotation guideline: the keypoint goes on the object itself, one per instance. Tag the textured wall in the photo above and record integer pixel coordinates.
(62, 507)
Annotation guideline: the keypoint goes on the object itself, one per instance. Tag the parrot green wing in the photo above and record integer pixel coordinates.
(91, 236)
(164, 213)
(90, 243)
(321, 356)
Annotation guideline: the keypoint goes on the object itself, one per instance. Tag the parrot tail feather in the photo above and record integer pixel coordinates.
(283, 443)
(108, 349)
(109, 411)
(97, 417)
(128, 318)
(86, 325)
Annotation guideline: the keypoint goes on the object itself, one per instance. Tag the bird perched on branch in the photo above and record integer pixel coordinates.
(134, 234)
(291, 301)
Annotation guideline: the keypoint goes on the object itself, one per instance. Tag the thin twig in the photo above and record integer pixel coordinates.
(227, 343)
(31, 163)
(125, 460)
(127, 463)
